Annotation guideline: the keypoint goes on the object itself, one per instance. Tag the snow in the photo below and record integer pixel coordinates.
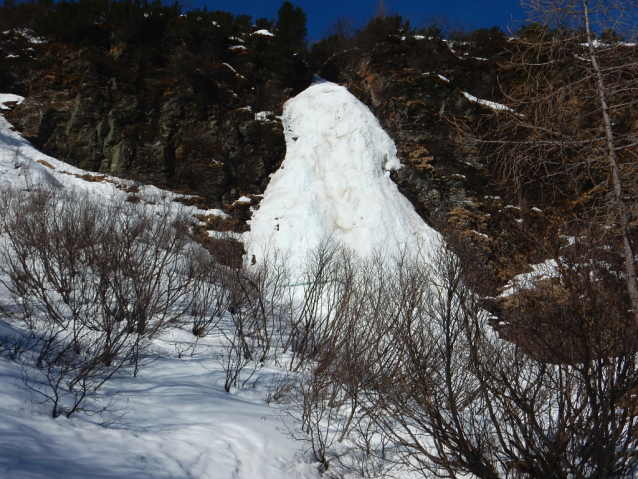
(483, 235)
(28, 34)
(180, 423)
(243, 200)
(545, 270)
(216, 212)
(8, 98)
(335, 182)
(490, 104)
(229, 66)
(263, 115)
(263, 32)
(22, 165)
(235, 72)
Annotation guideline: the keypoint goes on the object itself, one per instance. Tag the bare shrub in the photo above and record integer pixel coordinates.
(321, 291)
(416, 379)
(94, 284)
(260, 307)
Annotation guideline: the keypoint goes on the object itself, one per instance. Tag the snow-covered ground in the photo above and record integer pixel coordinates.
(335, 182)
(180, 422)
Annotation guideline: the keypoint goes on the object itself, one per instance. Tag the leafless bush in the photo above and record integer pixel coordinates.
(280, 388)
(321, 293)
(273, 315)
(354, 306)
(259, 306)
(210, 296)
(417, 380)
(94, 284)
(13, 345)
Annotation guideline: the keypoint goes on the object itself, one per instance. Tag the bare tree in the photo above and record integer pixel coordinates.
(572, 89)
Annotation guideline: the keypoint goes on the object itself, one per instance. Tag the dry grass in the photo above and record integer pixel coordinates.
(91, 178)
(46, 163)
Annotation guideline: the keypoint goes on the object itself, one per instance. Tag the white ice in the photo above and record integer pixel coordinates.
(335, 181)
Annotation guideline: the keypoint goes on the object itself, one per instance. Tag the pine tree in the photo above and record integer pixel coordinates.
(291, 28)
(285, 57)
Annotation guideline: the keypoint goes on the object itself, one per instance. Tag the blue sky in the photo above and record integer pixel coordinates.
(477, 14)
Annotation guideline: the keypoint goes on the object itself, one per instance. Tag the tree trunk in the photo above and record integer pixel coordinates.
(624, 216)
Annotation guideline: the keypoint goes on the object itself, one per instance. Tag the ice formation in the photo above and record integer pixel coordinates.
(335, 182)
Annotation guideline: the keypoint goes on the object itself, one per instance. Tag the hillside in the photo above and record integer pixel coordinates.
(417, 250)
(214, 132)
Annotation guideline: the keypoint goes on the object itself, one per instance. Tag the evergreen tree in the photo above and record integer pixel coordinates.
(291, 28)
(285, 55)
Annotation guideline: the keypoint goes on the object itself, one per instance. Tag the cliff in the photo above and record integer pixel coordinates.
(204, 122)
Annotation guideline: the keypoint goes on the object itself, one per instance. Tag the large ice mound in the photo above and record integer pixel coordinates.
(335, 182)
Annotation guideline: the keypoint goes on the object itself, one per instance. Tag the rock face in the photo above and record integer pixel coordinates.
(118, 113)
(154, 116)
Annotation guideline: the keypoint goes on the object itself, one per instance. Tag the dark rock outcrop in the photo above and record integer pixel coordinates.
(121, 113)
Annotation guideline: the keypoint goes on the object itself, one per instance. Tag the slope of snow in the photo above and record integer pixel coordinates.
(22, 165)
(180, 424)
(335, 181)
(180, 421)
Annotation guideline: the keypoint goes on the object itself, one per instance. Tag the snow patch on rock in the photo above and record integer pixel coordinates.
(9, 98)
